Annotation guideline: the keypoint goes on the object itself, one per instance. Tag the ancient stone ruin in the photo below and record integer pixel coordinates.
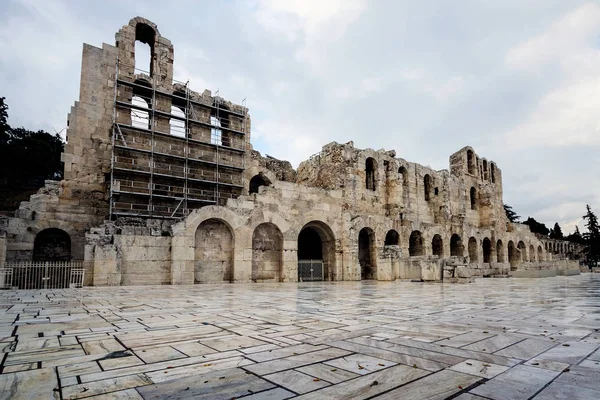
(162, 186)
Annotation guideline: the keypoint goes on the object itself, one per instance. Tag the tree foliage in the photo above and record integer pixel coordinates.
(536, 227)
(27, 158)
(592, 237)
(511, 214)
(575, 237)
(556, 232)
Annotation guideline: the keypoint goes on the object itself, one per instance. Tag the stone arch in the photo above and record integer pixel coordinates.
(522, 251)
(456, 246)
(473, 197)
(540, 253)
(213, 261)
(317, 242)
(392, 238)
(487, 250)
(267, 253)
(367, 257)
(437, 246)
(500, 251)
(52, 244)
(493, 172)
(403, 176)
(531, 253)
(485, 170)
(371, 173)
(427, 186)
(513, 256)
(415, 244)
(145, 38)
(257, 181)
(473, 250)
(471, 162)
(140, 116)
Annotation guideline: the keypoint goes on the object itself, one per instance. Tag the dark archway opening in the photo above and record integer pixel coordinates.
(470, 162)
(392, 238)
(366, 254)
(437, 246)
(427, 187)
(316, 252)
(513, 258)
(473, 195)
(487, 250)
(144, 48)
(473, 250)
(370, 171)
(500, 251)
(52, 245)
(456, 246)
(415, 244)
(256, 182)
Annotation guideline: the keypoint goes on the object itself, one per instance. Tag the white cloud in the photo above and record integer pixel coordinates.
(569, 53)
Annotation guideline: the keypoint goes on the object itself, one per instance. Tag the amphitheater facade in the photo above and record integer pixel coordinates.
(162, 186)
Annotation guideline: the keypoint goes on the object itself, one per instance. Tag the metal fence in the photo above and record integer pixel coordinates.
(310, 270)
(42, 275)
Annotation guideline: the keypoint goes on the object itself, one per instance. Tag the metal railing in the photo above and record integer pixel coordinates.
(310, 270)
(42, 275)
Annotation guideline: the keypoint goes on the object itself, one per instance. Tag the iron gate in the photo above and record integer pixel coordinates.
(42, 275)
(310, 270)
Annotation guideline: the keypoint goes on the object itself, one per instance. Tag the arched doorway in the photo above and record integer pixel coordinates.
(213, 252)
(456, 246)
(540, 254)
(256, 182)
(415, 244)
(473, 250)
(316, 252)
(522, 252)
(531, 253)
(513, 257)
(500, 251)
(267, 253)
(487, 250)
(366, 254)
(392, 238)
(52, 245)
(437, 246)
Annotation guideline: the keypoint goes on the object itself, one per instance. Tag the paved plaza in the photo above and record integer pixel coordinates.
(496, 338)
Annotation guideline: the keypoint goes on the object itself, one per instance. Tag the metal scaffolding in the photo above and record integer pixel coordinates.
(172, 152)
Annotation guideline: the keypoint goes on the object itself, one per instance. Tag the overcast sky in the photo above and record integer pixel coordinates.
(518, 80)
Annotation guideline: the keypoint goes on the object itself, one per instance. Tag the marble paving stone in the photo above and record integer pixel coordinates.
(288, 329)
(101, 387)
(570, 352)
(272, 354)
(368, 386)
(495, 343)
(328, 373)
(558, 390)
(437, 386)
(222, 384)
(300, 360)
(197, 369)
(36, 384)
(157, 354)
(520, 382)
(527, 348)
(128, 394)
(360, 363)
(271, 394)
(478, 368)
(296, 381)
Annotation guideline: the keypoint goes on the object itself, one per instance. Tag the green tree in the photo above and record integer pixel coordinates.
(27, 158)
(556, 232)
(536, 227)
(4, 128)
(511, 214)
(575, 237)
(592, 237)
